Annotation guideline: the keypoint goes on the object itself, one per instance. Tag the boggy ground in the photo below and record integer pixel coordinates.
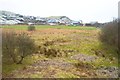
(65, 53)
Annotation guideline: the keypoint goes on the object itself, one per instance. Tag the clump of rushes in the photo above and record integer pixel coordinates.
(51, 52)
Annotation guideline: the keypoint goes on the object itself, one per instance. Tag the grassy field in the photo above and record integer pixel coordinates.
(24, 27)
(79, 48)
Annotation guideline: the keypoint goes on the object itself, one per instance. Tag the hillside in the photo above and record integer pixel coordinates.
(7, 17)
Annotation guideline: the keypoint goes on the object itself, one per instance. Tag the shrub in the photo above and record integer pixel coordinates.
(109, 33)
(31, 28)
(9, 44)
(25, 46)
(16, 46)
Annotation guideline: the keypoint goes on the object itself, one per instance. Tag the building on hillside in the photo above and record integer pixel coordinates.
(59, 20)
(20, 19)
(87, 24)
(94, 24)
(11, 22)
(52, 22)
(2, 22)
(76, 23)
(40, 21)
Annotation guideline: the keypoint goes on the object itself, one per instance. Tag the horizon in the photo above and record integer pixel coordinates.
(78, 11)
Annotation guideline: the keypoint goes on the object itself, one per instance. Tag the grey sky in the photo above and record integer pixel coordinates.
(86, 10)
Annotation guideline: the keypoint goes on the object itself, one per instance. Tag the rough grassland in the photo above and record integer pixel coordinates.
(83, 54)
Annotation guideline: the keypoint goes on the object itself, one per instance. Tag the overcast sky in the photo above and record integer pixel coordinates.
(86, 10)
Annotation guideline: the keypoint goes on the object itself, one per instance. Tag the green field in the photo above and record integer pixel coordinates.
(82, 53)
(24, 27)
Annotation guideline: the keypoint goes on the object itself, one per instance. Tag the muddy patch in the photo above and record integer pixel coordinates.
(84, 57)
(46, 63)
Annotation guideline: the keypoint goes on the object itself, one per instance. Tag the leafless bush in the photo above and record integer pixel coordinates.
(109, 33)
(16, 46)
(9, 44)
(25, 45)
